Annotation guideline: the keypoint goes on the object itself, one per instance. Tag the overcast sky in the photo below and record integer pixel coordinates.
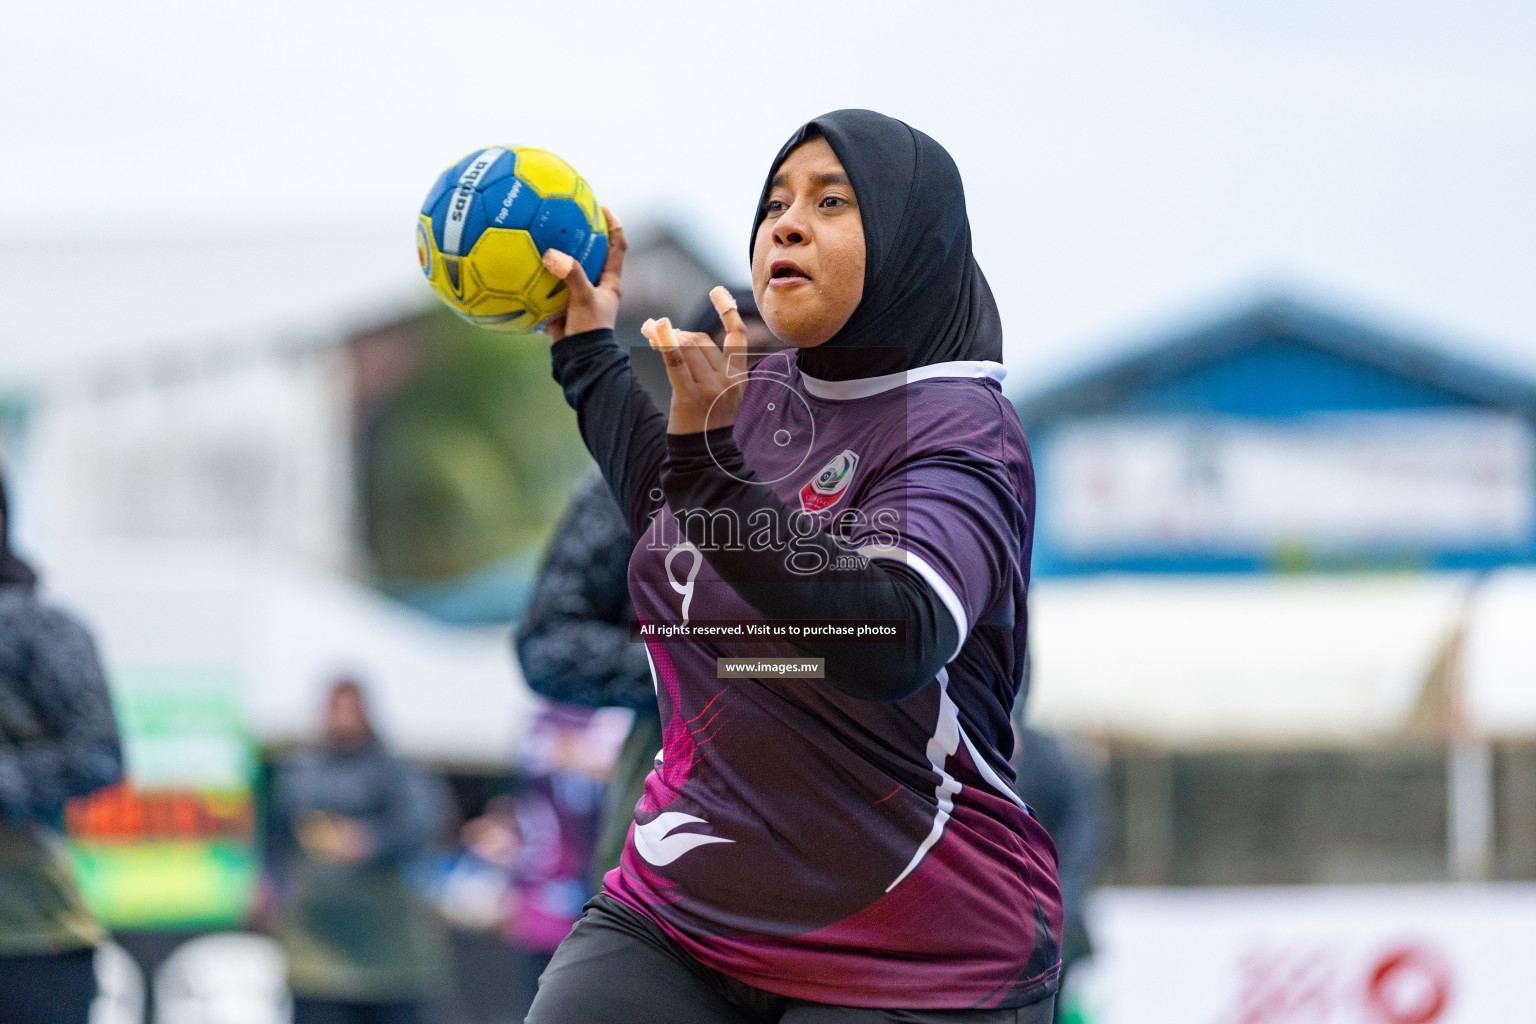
(1129, 163)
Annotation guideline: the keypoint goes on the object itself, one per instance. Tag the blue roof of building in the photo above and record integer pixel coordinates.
(1270, 365)
(1279, 357)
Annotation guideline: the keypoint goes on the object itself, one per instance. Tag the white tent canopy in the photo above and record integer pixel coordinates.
(1185, 661)
(284, 633)
(73, 308)
(1218, 661)
(1499, 659)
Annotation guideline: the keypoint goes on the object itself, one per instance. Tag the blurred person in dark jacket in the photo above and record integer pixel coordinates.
(58, 739)
(347, 820)
(574, 643)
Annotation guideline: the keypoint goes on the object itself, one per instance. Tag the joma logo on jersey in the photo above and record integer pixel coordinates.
(827, 486)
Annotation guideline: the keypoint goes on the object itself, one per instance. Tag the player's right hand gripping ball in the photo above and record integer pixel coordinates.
(485, 225)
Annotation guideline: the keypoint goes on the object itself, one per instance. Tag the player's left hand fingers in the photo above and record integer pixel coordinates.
(664, 340)
(719, 393)
(735, 331)
(705, 360)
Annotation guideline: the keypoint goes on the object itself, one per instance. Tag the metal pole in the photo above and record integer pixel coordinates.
(1469, 809)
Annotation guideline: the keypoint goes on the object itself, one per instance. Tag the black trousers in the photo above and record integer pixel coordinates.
(618, 968)
(50, 988)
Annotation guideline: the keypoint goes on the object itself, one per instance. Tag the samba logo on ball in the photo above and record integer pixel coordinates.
(486, 224)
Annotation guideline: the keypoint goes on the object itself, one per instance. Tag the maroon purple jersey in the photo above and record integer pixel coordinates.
(823, 846)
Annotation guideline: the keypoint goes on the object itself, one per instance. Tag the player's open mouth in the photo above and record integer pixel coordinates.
(783, 273)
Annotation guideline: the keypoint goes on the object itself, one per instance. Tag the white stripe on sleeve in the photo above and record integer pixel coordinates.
(931, 576)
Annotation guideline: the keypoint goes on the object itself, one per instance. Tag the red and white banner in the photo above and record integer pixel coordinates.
(1324, 955)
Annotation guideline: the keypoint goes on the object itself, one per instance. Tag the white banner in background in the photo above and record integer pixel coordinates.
(1325, 955)
(1125, 484)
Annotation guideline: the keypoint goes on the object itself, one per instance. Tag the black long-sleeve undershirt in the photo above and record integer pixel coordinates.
(621, 426)
(627, 436)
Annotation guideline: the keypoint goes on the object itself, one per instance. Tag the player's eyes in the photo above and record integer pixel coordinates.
(832, 202)
(773, 206)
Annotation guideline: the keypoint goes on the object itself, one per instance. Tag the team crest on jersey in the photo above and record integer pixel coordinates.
(827, 486)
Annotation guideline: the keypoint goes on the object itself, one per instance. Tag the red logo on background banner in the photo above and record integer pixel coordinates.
(826, 487)
(1409, 986)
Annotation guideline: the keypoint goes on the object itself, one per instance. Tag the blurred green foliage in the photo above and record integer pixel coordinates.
(472, 461)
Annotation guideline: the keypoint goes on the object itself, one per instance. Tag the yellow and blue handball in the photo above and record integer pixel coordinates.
(485, 226)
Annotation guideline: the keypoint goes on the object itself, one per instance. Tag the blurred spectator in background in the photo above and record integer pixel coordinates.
(574, 643)
(58, 739)
(1066, 796)
(475, 891)
(575, 647)
(543, 834)
(347, 820)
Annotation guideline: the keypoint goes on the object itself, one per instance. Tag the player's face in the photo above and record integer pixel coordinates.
(808, 256)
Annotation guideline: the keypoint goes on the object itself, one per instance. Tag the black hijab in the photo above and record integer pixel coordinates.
(925, 299)
(12, 569)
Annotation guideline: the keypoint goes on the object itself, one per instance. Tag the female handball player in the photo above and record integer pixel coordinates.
(845, 848)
